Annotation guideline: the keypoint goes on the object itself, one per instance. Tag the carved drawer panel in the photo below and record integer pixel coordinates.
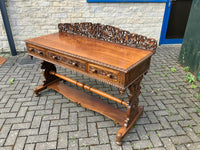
(67, 61)
(103, 72)
(36, 51)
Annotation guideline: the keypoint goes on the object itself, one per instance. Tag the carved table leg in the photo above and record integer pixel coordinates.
(133, 110)
(46, 66)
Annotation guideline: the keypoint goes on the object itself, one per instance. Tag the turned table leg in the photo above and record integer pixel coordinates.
(133, 110)
(47, 67)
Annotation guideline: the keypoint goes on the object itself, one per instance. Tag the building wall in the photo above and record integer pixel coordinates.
(30, 18)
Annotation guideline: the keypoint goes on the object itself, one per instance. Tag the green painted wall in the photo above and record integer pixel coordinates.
(190, 50)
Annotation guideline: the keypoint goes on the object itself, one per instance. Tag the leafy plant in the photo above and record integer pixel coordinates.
(197, 110)
(191, 126)
(164, 66)
(163, 74)
(197, 96)
(190, 78)
(193, 86)
(170, 113)
(156, 91)
(173, 69)
(73, 138)
(131, 144)
(12, 80)
(186, 69)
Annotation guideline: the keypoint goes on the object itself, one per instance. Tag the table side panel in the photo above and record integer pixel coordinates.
(137, 71)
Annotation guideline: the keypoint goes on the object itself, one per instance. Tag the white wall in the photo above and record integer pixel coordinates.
(31, 18)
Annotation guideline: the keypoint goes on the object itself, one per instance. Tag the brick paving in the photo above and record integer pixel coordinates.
(171, 118)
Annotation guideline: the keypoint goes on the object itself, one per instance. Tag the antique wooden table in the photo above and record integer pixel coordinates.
(105, 53)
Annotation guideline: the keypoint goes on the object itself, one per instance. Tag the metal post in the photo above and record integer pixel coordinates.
(7, 27)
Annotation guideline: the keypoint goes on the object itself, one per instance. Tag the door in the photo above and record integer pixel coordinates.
(175, 21)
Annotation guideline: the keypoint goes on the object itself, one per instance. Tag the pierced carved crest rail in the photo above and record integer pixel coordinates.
(110, 34)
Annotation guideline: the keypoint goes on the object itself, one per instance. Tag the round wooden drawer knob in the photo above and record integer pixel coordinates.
(55, 57)
(74, 64)
(31, 49)
(40, 52)
(94, 71)
(109, 75)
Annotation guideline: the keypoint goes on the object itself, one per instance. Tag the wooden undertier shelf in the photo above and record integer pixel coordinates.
(89, 102)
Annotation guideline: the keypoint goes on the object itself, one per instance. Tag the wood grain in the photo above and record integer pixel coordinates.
(95, 50)
(89, 102)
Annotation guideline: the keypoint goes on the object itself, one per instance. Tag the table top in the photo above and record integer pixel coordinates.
(120, 56)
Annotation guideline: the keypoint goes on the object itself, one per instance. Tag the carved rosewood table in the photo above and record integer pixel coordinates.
(102, 52)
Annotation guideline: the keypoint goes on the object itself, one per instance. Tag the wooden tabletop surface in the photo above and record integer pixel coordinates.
(105, 52)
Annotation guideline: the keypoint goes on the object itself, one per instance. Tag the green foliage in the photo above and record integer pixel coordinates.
(12, 80)
(193, 86)
(131, 144)
(197, 96)
(163, 74)
(191, 126)
(156, 91)
(173, 69)
(170, 113)
(189, 78)
(73, 138)
(197, 110)
(186, 69)
(164, 66)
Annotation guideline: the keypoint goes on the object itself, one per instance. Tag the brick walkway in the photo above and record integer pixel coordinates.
(171, 118)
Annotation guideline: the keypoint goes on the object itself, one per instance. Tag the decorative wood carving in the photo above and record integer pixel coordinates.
(134, 92)
(68, 61)
(102, 72)
(47, 67)
(110, 34)
(133, 110)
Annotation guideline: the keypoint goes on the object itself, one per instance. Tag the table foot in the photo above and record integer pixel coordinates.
(124, 130)
(39, 89)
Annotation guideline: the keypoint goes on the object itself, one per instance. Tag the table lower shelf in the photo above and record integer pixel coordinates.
(89, 102)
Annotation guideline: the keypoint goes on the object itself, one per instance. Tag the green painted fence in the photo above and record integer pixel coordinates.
(190, 50)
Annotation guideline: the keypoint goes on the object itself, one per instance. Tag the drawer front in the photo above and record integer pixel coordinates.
(102, 72)
(72, 62)
(36, 51)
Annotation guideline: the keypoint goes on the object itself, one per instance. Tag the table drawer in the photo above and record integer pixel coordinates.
(69, 61)
(36, 51)
(106, 73)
